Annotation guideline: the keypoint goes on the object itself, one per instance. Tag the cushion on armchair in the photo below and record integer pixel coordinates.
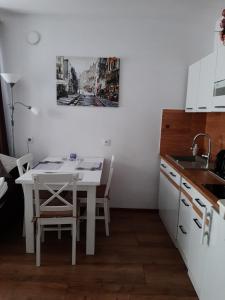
(3, 172)
(8, 162)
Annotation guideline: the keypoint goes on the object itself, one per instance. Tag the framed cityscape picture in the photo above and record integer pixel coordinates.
(87, 81)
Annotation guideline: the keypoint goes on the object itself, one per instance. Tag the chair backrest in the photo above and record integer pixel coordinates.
(55, 184)
(24, 163)
(3, 190)
(110, 176)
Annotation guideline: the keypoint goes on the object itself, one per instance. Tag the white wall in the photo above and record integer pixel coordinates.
(155, 52)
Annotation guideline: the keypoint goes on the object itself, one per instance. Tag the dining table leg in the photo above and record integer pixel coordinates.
(91, 207)
(28, 217)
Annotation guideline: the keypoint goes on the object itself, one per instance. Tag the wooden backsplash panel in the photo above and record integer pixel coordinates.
(215, 127)
(178, 129)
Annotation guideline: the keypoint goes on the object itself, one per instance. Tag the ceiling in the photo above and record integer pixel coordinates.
(154, 8)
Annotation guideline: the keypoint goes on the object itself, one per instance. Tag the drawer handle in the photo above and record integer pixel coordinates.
(197, 223)
(186, 185)
(182, 229)
(164, 166)
(219, 106)
(172, 174)
(190, 108)
(199, 202)
(202, 107)
(185, 203)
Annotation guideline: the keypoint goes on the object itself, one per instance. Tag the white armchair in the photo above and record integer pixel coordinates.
(3, 188)
(8, 162)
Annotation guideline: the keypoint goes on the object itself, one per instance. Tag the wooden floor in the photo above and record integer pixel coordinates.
(138, 262)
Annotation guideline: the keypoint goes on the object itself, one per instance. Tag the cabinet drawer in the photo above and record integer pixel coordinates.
(164, 166)
(174, 175)
(170, 171)
(200, 202)
(187, 187)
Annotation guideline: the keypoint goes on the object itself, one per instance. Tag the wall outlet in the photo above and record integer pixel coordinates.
(30, 140)
(107, 142)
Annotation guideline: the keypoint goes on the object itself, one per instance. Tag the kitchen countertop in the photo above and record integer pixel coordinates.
(197, 178)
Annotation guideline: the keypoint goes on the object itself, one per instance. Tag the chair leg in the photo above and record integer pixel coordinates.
(78, 222)
(74, 229)
(106, 219)
(78, 230)
(38, 245)
(108, 208)
(42, 234)
(97, 211)
(23, 233)
(59, 232)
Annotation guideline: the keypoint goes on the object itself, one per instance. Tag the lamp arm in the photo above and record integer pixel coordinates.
(21, 103)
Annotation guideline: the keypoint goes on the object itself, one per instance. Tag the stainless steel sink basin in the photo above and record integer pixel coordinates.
(191, 162)
(184, 158)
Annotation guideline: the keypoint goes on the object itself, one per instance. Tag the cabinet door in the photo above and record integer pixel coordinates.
(214, 265)
(206, 83)
(192, 88)
(162, 196)
(184, 225)
(219, 88)
(220, 64)
(169, 205)
(195, 253)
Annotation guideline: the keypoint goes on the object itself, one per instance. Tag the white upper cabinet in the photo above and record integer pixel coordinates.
(200, 85)
(220, 64)
(206, 83)
(218, 103)
(192, 88)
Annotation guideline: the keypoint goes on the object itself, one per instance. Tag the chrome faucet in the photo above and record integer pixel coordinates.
(194, 147)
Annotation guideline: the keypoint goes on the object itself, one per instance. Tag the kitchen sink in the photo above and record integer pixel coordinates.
(184, 158)
(191, 162)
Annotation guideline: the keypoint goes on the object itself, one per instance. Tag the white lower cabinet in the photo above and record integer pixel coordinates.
(213, 286)
(184, 226)
(169, 205)
(195, 253)
(200, 240)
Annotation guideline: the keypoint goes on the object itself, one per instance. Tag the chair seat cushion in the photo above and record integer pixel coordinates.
(100, 192)
(56, 214)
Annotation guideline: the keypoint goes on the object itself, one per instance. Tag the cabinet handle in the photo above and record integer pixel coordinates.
(197, 223)
(172, 174)
(182, 229)
(199, 202)
(164, 166)
(186, 185)
(185, 203)
(202, 107)
(219, 106)
(189, 108)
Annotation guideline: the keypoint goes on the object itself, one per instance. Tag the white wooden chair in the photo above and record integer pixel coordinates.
(102, 199)
(56, 210)
(24, 164)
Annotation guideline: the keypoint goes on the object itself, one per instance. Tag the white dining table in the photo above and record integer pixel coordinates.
(88, 181)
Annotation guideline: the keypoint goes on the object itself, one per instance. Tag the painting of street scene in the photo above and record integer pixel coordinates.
(86, 81)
